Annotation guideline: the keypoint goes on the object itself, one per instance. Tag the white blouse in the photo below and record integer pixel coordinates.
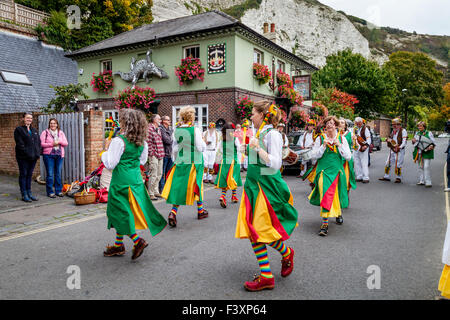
(273, 143)
(112, 157)
(319, 148)
(199, 143)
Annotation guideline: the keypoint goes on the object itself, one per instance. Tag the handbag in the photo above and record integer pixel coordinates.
(101, 196)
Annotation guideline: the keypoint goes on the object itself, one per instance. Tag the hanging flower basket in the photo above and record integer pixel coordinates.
(284, 79)
(244, 108)
(137, 98)
(318, 111)
(261, 73)
(299, 119)
(190, 69)
(285, 91)
(102, 82)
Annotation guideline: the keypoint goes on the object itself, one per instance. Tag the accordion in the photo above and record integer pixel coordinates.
(424, 143)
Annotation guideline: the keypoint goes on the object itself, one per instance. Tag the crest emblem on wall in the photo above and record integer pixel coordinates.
(217, 58)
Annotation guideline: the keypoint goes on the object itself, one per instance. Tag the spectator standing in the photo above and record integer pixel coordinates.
(53, 142)
(155, 156)
(28, 149)
(166, 134)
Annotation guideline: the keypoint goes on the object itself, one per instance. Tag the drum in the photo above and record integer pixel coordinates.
(290, 157)
(305, 154)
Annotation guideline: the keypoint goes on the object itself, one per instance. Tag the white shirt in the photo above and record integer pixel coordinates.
(273, 142)
(319, 148)
(308, 138)
(199, 144)
(211, 138)
(112, 157)
(404, 137)
(367, 134)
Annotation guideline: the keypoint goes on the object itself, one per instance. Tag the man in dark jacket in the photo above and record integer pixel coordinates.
(166, 134)
(28, 150)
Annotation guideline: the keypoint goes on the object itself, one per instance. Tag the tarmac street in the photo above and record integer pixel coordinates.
(389, 247)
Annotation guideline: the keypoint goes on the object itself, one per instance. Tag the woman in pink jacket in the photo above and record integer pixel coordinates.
(53, 141)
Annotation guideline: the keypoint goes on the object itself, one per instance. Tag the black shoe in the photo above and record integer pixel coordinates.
(339, 220)
(323, 230)
(25, 197)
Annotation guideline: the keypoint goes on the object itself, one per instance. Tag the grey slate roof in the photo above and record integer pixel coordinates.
(163, 29)
(44, 65)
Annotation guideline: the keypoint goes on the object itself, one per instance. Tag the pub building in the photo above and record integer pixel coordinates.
(226, 48)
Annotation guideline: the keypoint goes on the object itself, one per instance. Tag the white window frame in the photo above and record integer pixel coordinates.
(103, 64)
(191, 47)
(106, 115)
(257, 52)
(282, 64)
(200, 123)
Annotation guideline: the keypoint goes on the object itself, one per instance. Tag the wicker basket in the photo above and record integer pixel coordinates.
(84, 198)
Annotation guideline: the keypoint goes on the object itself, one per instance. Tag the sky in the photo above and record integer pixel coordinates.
(423, 16)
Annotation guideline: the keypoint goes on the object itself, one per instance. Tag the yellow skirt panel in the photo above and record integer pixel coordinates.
(444, 283)
(139, 219)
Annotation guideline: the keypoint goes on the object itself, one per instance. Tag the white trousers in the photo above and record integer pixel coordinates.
(209, 157)
(425, 172)
(390, 162)
(362, 165)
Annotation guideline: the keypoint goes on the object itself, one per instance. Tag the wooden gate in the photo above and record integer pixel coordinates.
(72, 126)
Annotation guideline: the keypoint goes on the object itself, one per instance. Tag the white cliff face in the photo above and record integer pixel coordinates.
(313, 31)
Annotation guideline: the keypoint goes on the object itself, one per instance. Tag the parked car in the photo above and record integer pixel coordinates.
(287, 168)
(376, 141)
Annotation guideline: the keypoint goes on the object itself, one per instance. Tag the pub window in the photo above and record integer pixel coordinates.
(258, 56)
(281, 66)
(106, 65)
(192, 51)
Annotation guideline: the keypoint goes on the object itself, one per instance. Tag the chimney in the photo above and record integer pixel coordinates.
(266, 28)
(272, 36)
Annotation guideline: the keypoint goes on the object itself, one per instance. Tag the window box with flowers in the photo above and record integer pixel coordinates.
(103, 82)
(261, 73)
(137, 98)
(190, 69)
(244, 108)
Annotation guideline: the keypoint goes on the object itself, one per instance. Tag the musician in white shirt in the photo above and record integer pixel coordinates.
(396, 157)
(361, 158)
(306, 141)
(211, 138)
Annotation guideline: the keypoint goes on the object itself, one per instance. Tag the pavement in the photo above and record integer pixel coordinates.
(396, 229)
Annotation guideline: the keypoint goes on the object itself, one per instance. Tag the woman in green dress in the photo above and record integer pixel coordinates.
(349, 167)
(129, 205)
(184, 183)
(424, 157)
(330, 184)
(229, 176)
(266, 214)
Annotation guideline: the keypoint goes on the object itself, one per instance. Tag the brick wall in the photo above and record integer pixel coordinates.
(8, 123)
(93, 139)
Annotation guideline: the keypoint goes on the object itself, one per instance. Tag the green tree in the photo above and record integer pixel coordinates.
(63, 96)
(418, 82)
(373, 86)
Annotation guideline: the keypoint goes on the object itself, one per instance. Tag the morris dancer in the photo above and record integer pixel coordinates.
(184, 181)
(229, 176)
(423, 157)
(397, 144)
(129, 205)
(306, 141)
(330, 191)
(361, 145)
(348, 165)
(211, 139)
(266, 214)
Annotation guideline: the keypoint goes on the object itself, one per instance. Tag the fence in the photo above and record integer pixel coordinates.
(72, 124)
(21, 15)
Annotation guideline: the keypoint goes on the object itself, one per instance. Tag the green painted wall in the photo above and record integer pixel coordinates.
(239, 60)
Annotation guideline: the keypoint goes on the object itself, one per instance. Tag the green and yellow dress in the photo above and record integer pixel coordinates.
(184, 183)
(266, 212)
(420, 156)
(349, 167)
(129, 205)
(330, 191)
(229, 176)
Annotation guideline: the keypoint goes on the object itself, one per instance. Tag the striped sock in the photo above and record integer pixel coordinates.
(234, 192)
(135, 238)
(281, 248)
(224, 193)
(119, 240)
(174, 209)
(200, 206)
(325, 221)
(260, 250)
